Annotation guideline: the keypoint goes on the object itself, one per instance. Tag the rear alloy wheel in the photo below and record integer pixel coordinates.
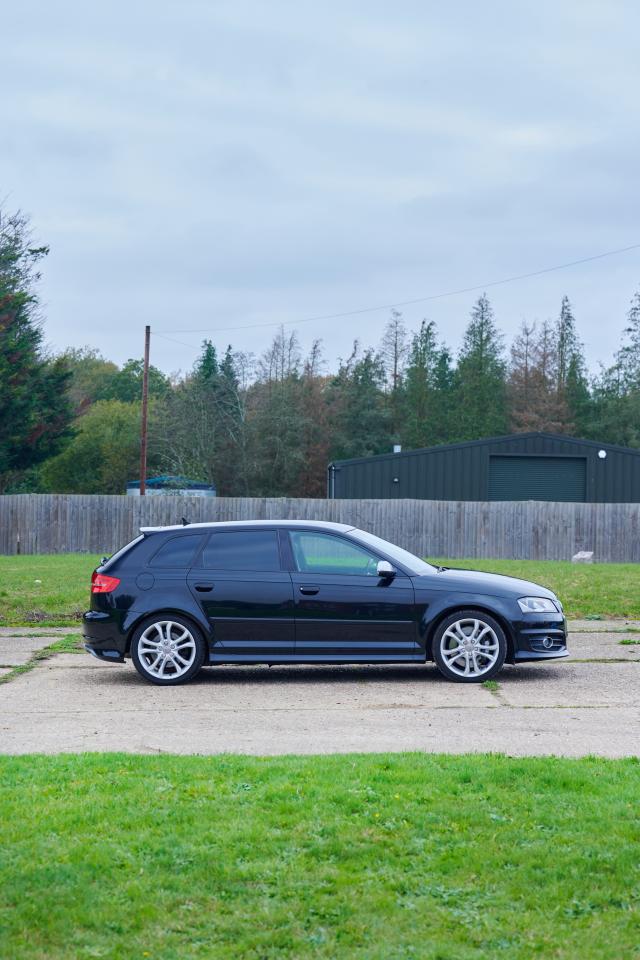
(469, 646)
(167, 650)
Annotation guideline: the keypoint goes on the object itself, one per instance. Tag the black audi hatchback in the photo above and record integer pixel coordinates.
(176, 599)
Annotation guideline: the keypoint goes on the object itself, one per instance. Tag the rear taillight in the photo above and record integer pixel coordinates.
(100, 583)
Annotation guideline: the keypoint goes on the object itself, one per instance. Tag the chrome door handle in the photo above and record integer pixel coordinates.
(309, 591)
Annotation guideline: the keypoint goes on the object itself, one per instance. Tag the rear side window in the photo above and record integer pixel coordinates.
(242, 550)
(178, 551)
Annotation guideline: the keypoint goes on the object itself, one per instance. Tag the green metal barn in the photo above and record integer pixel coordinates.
(522, 466)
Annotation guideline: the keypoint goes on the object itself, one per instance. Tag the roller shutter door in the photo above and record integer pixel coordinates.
(538, 478)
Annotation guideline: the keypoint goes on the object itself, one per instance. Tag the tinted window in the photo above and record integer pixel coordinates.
(242, 550)
(322, 553)
(178, 551)
(119, 554)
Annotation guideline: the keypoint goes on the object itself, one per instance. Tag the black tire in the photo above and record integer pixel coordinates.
(173, 645)
(487, 654)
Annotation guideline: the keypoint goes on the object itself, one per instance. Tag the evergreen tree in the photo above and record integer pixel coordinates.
(480, 381)
(358, 413)
(615, 404)
(428, 390)
(35, 411)
(206, 367)
(420, 387)
(567, 343)
(231, 453)
(628, 357)
(228, 371)
(571, 377)
(443, 417)
(200, 430)
(578, 397)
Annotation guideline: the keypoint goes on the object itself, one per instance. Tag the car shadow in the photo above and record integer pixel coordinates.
(262, 674)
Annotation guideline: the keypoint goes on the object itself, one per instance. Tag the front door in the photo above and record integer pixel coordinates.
(344, 611)
(247, 597)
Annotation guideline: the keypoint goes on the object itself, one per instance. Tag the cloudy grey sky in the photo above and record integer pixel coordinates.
(207, 165)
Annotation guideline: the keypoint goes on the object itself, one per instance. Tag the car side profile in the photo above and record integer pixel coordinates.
(179, 598)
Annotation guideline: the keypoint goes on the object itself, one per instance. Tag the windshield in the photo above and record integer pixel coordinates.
(414, 564)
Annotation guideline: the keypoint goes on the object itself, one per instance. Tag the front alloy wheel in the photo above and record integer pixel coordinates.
(167, 650)
(469, 646)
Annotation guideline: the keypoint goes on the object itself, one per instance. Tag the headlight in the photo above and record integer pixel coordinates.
(537, 605)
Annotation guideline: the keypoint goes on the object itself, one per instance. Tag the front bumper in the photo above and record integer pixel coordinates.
(540, 637)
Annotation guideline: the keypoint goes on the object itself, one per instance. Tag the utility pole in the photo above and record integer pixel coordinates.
(145, 404)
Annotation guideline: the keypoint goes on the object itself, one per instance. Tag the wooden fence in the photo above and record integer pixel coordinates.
(61, 523)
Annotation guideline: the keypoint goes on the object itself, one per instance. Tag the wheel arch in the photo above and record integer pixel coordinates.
(160, 614)
(484, 608)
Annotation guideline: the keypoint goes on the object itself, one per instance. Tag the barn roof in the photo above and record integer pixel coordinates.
(505, 438)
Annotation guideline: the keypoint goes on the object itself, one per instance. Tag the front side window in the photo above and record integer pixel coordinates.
(178, 551)
(242, 550)
(395, 554)
(323, 553)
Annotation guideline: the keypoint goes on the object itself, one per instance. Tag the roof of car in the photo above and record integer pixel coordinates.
(319, 524)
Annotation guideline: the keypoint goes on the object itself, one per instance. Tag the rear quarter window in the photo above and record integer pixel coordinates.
(122, 552)
(178, 551)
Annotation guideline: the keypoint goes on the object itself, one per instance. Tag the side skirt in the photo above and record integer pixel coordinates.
(222, 657)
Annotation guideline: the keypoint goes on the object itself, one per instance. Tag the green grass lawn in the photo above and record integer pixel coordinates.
(46, 589)
(376, 857)
(53, 590)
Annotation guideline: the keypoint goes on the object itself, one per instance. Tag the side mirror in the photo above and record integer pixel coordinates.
(385, 570)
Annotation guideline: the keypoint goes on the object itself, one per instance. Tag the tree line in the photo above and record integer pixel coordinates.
(269, 425)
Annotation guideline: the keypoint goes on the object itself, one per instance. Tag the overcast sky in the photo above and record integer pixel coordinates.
(203, 165)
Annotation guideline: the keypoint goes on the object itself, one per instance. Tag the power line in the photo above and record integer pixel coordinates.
(407, 303)
(172, 340)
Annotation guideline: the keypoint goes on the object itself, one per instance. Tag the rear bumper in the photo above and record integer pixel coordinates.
(103, 636)
(108, 656)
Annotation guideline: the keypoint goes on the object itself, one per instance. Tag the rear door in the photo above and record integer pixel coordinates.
(167, 571)
(246, 595)
(344, 611)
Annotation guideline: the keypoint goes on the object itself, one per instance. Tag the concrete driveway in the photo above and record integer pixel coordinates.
(588, 704)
